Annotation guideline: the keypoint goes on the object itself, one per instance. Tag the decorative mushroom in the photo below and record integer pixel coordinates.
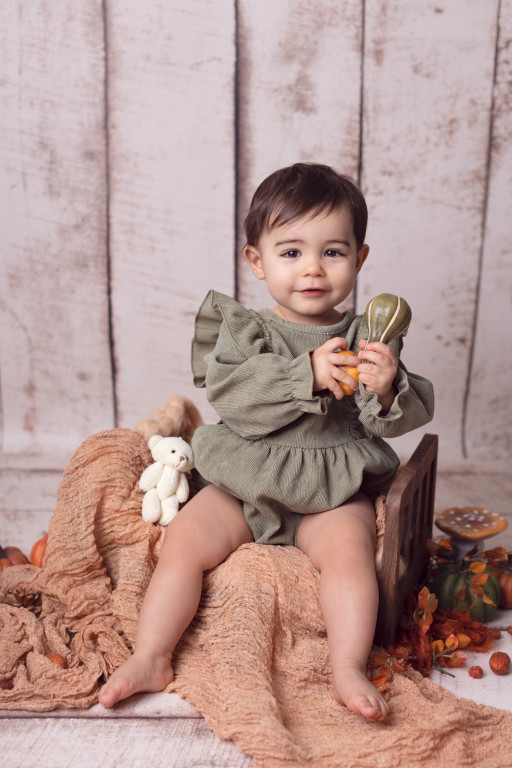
(469, 526)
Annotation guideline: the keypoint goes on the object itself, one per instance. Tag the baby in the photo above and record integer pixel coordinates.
(293, 461)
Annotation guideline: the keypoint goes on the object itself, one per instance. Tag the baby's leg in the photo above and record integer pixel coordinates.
(341, 545)
(201, 536)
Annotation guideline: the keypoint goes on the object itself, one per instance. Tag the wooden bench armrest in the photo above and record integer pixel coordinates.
(408, 523)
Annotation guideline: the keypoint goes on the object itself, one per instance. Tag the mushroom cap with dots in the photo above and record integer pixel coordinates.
(472, 523)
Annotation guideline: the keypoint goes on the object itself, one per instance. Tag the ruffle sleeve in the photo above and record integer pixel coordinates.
(248, 332)
(254, 390)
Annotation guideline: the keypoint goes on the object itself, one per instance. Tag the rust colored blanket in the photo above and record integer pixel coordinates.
(254, 661)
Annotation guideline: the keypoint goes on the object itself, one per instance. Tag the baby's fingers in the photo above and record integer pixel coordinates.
(336, 389)
(334, 345)
(377, 353)
(348, 378)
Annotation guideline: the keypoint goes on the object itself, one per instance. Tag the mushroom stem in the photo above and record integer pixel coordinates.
(464, 546)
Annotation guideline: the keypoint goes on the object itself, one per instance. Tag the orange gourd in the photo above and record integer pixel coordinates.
(504, 576)
(351, 370)
(11, 556)
(38, 551)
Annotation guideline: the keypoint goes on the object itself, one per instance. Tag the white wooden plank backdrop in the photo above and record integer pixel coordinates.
(488, 430)
(171, 71)
(56, 376)
(131, 138)
(429, 72)
(299, 98)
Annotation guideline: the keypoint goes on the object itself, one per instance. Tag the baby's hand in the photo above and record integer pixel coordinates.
(328, 367)
(378, 378)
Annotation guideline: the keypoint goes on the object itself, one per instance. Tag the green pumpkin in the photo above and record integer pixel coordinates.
(387, 316)
(449, 583)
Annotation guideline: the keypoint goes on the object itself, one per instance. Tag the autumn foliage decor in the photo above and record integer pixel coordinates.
(499, 561)
(430, 638)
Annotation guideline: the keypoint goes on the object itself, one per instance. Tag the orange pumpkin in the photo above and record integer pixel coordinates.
(351, 370)
(11, 556)
(38, 551)
(504, 576)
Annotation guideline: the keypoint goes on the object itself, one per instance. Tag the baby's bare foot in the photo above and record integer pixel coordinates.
(353, 689)
(139, 673)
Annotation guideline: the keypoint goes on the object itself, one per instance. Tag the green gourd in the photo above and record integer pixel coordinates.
(452, 587)
(387, 316)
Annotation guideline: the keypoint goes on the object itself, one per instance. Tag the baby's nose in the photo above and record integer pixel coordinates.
(313, 266)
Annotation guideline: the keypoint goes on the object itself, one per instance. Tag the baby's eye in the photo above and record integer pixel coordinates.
(291, 254)
(333, 252)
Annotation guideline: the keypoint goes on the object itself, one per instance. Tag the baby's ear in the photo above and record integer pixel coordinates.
(253, 257)
(362, 255)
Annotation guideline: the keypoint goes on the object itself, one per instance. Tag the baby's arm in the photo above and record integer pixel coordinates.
(264, 393)
(390, 407)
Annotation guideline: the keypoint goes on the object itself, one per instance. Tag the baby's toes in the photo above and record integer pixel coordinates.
(380, 708)
(115, 690)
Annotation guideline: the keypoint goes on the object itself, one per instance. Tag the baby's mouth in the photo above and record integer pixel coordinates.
(312, 291)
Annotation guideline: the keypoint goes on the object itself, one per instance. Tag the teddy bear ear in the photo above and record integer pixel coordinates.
(153, 440)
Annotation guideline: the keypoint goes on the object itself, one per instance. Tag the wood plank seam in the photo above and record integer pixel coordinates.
(485, 209)
(108, 241)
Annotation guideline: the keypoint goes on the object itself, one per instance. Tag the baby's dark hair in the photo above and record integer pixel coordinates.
(301, 189)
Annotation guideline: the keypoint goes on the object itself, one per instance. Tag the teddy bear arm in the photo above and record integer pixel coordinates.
(182, 489)
(168, 483)
(151, 476)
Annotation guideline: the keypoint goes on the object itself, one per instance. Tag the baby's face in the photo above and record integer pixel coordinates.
(309, 265)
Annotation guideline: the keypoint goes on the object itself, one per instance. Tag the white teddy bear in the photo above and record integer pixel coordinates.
(165, 481)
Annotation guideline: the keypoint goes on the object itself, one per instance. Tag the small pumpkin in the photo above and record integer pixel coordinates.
(476, 672)
(38, 551)
(11, 556)
(351, 370)
(455, 589)
(504, 576)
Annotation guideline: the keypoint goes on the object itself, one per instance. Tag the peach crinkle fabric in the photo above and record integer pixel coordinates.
(254, 661)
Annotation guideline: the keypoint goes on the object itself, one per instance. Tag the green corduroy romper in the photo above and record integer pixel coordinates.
(280, 448)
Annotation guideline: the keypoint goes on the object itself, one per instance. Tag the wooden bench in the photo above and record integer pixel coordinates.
(408, 524)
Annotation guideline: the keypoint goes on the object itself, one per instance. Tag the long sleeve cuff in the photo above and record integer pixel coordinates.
(370, 408)
(301, 379)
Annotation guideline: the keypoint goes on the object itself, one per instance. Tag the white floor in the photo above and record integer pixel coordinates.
(490, 689)
(160, 729)
(493, 492)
